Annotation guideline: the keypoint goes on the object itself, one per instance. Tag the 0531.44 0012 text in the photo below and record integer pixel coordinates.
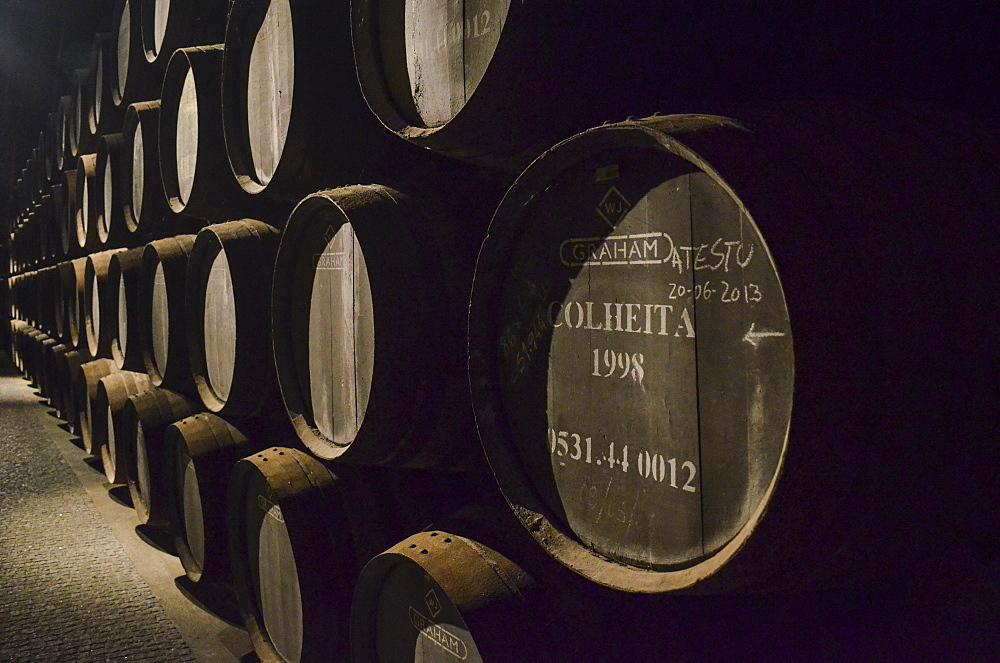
(676, 473)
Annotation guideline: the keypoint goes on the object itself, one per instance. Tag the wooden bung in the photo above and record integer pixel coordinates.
(228, 318)
(144, 419)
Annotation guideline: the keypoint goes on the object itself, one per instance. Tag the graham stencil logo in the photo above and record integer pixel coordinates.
(433, 603)
(329, 258)
(613, 207)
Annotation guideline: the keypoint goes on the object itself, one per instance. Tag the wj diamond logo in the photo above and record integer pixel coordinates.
(613, 207)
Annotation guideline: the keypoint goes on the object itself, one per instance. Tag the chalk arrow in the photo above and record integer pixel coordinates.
(753, 337)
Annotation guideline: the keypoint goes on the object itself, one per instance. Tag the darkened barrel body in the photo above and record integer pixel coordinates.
(106, 423)
(143, 203)
(112, 231)
(199, 454)
(88, 204)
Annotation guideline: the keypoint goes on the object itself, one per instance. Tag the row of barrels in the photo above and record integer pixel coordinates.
(665, 299)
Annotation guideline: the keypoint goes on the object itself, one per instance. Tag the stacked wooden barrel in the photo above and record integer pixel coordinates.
(280, 265)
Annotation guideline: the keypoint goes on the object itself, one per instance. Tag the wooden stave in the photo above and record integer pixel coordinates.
(213, 446)
(347, 203)
(249, 244)
(112, 393)
(154, 410)
(326, 94)
(67, 213)
(172, 253)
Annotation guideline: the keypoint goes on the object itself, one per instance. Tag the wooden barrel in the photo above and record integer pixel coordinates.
(123, 316)
(162, 313)
(228, 317)
(85, 381)
(168, 25)
(143, 203)
(195, 180)
(63, 155)
(144, 419)
(67, 366)
(111, 229)
(200, 452)
(106, 426)
(42, 358)
(106, 117)
(288, 513)
(368, 305)
(67, 212)
(288, 69)
(82, 89)
(285, 510)
(88, 204)
(440, 596)
(631, 362)
(73, 281)
(53, 378)
(96, 306)
(133, 79)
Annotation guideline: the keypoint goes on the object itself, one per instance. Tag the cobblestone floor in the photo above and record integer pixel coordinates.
(68, 590)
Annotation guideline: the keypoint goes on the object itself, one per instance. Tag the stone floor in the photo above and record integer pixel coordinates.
(77, 581)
